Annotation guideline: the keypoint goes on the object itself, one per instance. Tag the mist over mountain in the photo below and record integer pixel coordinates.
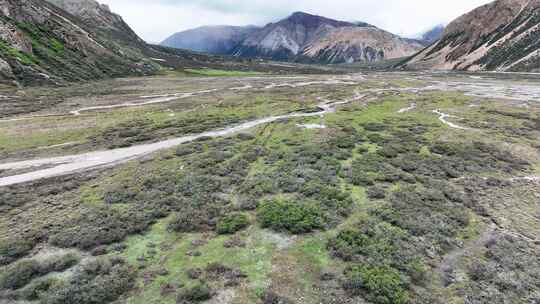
(210, 39)
(433, 34)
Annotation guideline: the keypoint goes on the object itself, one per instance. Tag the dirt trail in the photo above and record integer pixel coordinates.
(153, 100)
(157, 99)
(444, 116)
(407, 109)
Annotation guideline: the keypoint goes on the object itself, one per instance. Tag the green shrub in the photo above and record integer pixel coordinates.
(11, 249)
(376, 192)
(36, 288)
(198, 293)
(118, 194)
(190, 220)
(232, 223)
(59, 263)
(101, 281)
(19, 274)
(380, 285)
(22, 272)
(24, 58)
(291, 216)
(101, 225)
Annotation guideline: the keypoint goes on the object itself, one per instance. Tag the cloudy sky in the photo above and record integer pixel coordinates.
(155, 20)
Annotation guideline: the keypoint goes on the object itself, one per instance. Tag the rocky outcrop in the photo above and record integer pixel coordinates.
(98, 17)
(305, 37)
(210, 39)
(6, 74)
(501, 36)
(12, 36)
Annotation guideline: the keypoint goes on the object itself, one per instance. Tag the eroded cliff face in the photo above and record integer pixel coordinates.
(503, 36)
(42, 43)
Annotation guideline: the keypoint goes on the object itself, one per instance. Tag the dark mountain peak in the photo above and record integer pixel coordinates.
(311, 20)
(300, 14)
(363, 24)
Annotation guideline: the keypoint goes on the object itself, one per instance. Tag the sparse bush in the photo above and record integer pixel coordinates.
(36, 288)
(232, 223)
(59, 263)
(291, 216)
(199, 293)
(380, 285)
(184, 150)
(119, 194)
(190, 220)
(270, 297)
(11, 249)
(375, 127)
(101, 225)
(23, 271)
(102, 281)
(194, 273)
(376, 192)
(19, 274)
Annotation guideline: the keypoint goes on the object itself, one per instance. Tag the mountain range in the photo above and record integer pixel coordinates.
(57, 41)
(500, 36)
(300, 37)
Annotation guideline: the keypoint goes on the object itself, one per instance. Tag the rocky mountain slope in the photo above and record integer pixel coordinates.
(503, 36)
(42, 43)
(300, 37)
(358, 44)
(210, 39)
(305, 37)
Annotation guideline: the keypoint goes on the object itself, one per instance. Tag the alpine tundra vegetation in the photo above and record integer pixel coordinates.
(138, 173)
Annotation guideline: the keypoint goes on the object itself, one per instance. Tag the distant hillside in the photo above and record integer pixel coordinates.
(210, 39)
(503, 36)
(357, 44)
(42, 43)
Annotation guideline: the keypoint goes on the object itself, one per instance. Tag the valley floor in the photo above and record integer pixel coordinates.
(358, 188)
